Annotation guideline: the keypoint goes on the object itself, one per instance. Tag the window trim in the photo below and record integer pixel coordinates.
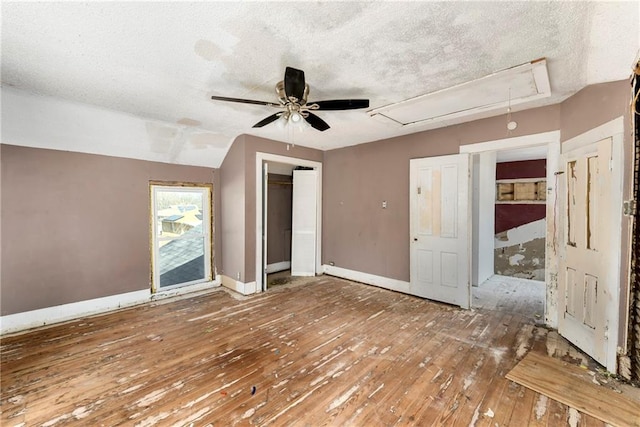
(208, 232)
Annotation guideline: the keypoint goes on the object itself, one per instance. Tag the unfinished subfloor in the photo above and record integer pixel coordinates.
(322, 352)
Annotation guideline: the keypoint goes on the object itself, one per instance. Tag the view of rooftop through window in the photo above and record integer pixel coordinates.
(180, 236)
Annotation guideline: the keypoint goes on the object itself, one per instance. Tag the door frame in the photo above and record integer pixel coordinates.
(552, 141)
(577, 145)
(259, 259)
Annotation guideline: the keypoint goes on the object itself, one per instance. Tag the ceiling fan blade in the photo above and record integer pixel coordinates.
(244, 101)
(270, 119)
(316, 122)
(341, 104)
(294, 83)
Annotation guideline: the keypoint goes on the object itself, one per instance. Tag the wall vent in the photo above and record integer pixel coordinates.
(513, 86)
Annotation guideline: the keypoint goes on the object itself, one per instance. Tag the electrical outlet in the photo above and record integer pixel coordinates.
(384, 204)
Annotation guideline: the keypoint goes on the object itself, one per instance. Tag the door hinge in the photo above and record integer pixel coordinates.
(629, 207)
(419, 190)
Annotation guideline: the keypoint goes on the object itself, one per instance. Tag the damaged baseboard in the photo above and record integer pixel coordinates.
(19, 322)
(238, 286)
(369, 279)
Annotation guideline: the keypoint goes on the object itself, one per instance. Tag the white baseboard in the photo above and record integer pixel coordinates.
(370, 279)
(240, 287)
(61, 313)
(278, 266)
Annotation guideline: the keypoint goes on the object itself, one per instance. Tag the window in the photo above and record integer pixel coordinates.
(181, 235)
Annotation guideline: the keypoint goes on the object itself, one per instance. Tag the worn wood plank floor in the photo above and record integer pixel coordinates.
(325, 352)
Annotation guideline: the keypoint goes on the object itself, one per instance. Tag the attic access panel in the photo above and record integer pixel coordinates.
(513, 86)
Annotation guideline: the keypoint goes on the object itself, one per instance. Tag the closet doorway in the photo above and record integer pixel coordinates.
(288, 219)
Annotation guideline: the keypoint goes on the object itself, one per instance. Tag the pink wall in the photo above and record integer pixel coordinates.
(76, 226)
(358, 234)
(232, 211)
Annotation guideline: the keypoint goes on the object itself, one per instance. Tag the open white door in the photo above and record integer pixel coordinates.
(439, 228)
(303, 223)
(590, 250)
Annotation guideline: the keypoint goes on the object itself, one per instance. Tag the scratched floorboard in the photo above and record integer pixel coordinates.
(325, 352)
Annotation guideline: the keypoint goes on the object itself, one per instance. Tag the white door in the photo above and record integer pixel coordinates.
(303, 223)
(439, 229)
(586, 267)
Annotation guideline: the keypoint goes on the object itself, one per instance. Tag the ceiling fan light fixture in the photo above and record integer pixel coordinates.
(292, 96)
(295, 117)
(282, 121)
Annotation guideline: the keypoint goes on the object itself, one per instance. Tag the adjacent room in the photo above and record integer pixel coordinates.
(320, 213)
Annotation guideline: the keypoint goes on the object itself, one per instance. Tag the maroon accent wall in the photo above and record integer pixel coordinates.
(522, 169)
(509, 216)
(357, 233)
(76, 226)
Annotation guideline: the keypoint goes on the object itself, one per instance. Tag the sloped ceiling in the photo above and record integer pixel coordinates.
(160, 62)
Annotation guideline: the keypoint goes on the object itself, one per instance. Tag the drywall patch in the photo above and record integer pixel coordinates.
(208, 50)
(189, 122)
(161, 136)
(204, 140)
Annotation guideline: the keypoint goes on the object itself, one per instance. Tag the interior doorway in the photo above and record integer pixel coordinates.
(502, 292)
(279, 199)
(288, 218)
(514, 222)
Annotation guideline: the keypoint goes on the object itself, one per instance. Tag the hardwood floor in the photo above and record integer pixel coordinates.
(321, 352)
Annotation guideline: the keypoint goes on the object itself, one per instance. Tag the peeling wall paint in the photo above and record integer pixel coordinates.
(520, 252)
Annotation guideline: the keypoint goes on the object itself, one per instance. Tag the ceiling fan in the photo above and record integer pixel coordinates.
(292, 96)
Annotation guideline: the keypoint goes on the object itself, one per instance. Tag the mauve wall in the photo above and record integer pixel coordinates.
(76, 226)
(357, 233)
(232, 211)
(509, 215)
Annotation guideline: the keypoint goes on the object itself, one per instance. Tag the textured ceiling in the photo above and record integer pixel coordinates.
(162, 61)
